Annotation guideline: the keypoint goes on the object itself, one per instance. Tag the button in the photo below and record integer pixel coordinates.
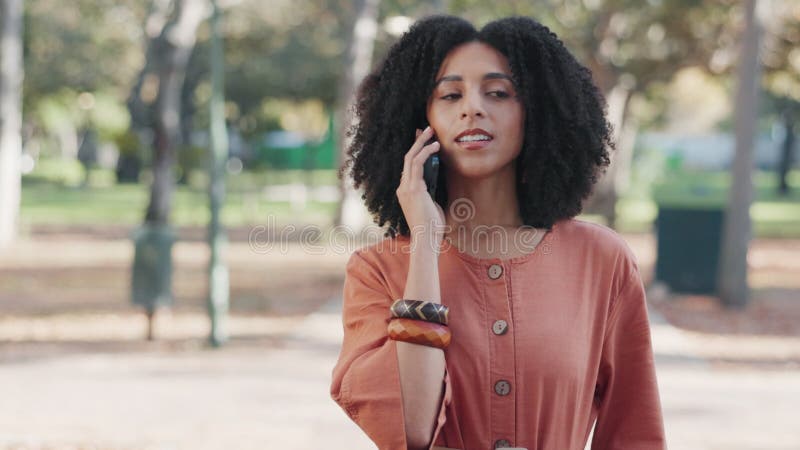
(502, 387)
(500, 327)
(502, 443)
(495, 270)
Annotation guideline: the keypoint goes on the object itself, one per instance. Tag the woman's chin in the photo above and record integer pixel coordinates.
(476, 165)
(474, 173)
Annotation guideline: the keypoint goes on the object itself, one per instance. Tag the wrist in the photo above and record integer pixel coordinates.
(426, 243)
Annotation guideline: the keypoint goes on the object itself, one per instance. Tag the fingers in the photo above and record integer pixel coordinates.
(417, 154)
(419, 160)
(423, 137)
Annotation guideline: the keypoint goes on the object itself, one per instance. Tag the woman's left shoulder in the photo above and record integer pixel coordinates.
(597, 240)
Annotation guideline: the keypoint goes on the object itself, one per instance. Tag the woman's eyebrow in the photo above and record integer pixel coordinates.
(488, 76)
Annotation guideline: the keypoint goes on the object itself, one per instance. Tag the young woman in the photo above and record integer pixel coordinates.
(529, 326)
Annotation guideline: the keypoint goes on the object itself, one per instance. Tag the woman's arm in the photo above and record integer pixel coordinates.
(393, 389)
(366, 379)
(630, 409)
(421, 368)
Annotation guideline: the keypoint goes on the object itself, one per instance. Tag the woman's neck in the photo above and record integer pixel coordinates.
(482, 218)
(484, 202)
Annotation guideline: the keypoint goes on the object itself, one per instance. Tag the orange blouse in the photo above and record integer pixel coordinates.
(543, 345)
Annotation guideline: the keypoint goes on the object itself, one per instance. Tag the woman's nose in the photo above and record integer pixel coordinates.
(472, 106)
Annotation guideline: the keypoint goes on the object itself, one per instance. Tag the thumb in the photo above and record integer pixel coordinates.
(439, 207)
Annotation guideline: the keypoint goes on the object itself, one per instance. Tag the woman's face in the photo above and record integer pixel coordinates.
(474, 94)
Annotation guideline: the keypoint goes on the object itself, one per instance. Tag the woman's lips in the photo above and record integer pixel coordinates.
(473, 145)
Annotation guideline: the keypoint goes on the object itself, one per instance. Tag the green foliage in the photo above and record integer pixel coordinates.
(79, 60)
(192, 157)
(50, 202)
(108, 116)
(289, 50)
(51, 195)
(647, 40)
(780, 55)
(56, 172)
(294, 50)
(127, 143)
(68, 109)
(56, 111)
(87, 45)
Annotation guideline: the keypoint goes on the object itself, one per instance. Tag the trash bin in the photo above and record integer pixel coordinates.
(689, 234)
(151, 284)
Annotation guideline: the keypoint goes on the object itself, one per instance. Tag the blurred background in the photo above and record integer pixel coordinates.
(173, 234)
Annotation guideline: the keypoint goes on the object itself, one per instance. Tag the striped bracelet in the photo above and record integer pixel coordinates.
(421, 310)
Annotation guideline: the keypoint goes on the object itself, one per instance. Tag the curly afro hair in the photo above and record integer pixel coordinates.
(566, 139)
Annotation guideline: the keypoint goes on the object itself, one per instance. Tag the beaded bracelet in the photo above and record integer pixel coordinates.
(421, 310)
(420, 332)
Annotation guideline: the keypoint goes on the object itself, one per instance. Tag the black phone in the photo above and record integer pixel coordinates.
(430, 171)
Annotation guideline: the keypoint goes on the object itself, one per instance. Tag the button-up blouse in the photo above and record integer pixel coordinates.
(544, 346)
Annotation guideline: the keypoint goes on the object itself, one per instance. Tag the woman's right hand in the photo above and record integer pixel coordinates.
(424, 216)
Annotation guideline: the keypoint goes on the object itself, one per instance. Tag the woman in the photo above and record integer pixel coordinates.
(546, 331)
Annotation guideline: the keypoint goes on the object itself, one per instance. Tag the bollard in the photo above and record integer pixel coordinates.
(151, 283)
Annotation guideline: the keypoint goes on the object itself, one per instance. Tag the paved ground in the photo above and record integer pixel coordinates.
(74, 373)
(263, 394)
(727, 393)
(179, 395)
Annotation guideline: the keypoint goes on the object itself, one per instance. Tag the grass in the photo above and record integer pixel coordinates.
(51, 196)
(772, 215)
(66, 201)
(704, 189)
(770, 218)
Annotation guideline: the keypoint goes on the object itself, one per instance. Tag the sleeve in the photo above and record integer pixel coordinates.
(629, 415)
(366, 378)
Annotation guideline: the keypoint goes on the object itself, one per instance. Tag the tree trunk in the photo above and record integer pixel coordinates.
(603, 200)
(171, 52)
(218, 276)
(11, 74)
(154, 24)
(787, 151)
(351, 211)
(732, 277)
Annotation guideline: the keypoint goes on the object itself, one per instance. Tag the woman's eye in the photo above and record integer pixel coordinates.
(499, 94)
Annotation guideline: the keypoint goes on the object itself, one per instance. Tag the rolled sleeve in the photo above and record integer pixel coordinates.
(629, 415)
(366, 378)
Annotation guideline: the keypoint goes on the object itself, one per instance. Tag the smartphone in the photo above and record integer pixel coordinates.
(431, 166)
(430, 171)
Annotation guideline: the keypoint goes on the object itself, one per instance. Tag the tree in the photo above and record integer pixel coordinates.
(11, 76)
(628, 46)
(787, 149)
(782, 79)
(351, 212)
(79, 65)
(289, 52)
(218, 277)
(165, 66)
(733, 287)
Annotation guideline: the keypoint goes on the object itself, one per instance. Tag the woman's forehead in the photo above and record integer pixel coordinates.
(473, 59)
